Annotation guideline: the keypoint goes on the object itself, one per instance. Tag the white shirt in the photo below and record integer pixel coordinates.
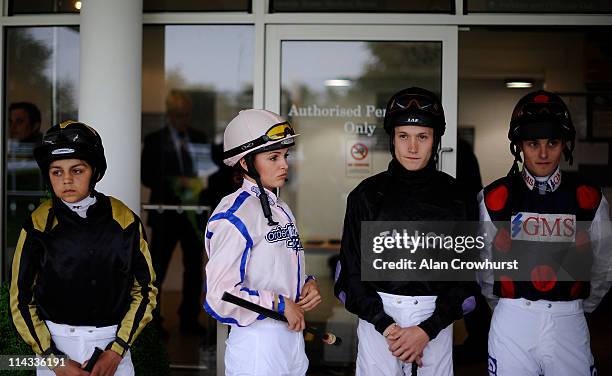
(250, 259)
(81, 207)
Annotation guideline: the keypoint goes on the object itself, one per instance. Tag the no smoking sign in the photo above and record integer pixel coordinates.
(358, 159)
(359, 151)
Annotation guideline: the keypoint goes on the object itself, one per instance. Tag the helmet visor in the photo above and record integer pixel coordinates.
(69, 136)
(415, 102)
(535, 109)
(276, 132)
(279, 131)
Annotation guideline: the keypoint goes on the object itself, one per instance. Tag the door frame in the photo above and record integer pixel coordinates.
(447, 35)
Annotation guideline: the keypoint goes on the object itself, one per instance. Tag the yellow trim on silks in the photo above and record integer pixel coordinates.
(127, 323)
(42, 332)
(39, 216)
(144, 248)
(66, 123)
(121, 213)
(40, 329)
(127, 332)
(118, 349)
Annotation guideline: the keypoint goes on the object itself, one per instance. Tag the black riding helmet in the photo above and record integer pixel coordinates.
(72, 140)
(415, 106)
(541, 114)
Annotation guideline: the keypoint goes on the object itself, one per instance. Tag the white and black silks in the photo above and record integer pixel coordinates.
(401, 195)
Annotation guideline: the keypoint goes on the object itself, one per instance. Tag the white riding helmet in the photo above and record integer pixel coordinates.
(254, 130)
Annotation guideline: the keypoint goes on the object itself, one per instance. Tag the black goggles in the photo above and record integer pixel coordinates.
(275, 133)
(415, 102)
(556, 110)
(69, 136)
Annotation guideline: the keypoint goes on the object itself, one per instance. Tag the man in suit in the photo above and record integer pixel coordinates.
(24, 123)
(168, 170)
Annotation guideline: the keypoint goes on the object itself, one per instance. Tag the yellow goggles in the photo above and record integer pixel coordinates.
(278, 132)
(275, 133)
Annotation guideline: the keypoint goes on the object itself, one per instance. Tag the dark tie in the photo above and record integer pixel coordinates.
(186, 164)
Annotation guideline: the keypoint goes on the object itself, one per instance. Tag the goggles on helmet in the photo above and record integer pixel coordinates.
(535, 109)
(416, 102)
(276, 133)
(69, 135)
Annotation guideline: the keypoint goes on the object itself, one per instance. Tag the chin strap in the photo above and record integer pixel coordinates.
(263, 197)
(516, 152)
(435, 153)
(568, 152)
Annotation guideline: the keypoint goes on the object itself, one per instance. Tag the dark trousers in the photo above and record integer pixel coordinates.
(168, 229)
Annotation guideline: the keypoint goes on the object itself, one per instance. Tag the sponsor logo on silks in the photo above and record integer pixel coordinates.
(62, 151)
(492, 366)
(535, 227)
(516, 224)
(528, 179)
(550, 185)
(593, 371)
(287, 234)
(555, 180)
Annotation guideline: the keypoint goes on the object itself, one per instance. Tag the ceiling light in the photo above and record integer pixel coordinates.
(338, 82)
(519, 84)
(77, 5)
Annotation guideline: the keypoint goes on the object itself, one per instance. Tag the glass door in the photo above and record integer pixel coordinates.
(332, 82)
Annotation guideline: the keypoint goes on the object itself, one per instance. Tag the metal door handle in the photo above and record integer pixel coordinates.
(446, 149)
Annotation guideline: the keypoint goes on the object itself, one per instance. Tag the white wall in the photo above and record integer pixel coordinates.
(486, 105)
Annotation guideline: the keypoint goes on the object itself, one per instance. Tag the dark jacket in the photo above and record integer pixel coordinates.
(160, 168)
(401, 195)
(93, 271)
(516, 206)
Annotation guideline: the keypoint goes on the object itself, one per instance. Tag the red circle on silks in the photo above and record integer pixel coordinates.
(543, 278)
(496, 198)
(502, 241)
(507, 286)
(582, 241)
(576, 288)
(588, 197)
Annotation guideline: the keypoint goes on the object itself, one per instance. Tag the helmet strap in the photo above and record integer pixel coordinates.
(435, 153)
(93, 181)
(568, 152)
(263, 196)
(516, 152)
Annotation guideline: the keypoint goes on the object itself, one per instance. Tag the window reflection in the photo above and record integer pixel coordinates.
(387, 6)
(41, 86)
(335, 94)
(195, 80)
(538, 6)
(74, 6)
(196, 5)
